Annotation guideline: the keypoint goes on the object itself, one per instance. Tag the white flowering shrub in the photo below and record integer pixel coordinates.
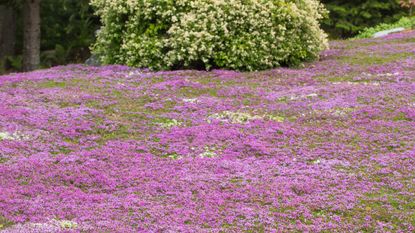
(232, 34)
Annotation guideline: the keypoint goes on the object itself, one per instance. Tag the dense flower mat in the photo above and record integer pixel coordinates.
(330, 147)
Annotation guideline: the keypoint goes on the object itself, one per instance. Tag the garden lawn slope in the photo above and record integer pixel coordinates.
(330, 147)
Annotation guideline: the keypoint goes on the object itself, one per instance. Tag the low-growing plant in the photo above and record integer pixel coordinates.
(235, 34)
(405, 22)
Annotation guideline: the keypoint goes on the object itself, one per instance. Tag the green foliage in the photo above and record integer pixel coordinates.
(405, 22)
(4, 223)
(15, 62)
(235, 34)
(68, 29)
(349, 17)
(14, 3)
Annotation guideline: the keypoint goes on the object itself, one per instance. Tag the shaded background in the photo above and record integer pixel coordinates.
(68, 27)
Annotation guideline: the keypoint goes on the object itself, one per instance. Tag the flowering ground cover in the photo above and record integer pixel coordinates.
(326, 148)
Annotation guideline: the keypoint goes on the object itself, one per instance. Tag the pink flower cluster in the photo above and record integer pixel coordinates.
(326, 148)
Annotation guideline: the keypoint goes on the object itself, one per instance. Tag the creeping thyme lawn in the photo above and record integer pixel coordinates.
(326, 148)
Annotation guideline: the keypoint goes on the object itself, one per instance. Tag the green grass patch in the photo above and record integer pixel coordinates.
(51, 84)
(4, 223)
(368, 60)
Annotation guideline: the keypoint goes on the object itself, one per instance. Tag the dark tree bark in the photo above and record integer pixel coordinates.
(7, 32)
(31, 34)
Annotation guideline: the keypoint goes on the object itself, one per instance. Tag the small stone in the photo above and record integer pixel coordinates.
(387, 32)
(93, 61)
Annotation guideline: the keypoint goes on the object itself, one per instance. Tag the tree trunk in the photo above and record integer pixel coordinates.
(7, 32)
(31, 34)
